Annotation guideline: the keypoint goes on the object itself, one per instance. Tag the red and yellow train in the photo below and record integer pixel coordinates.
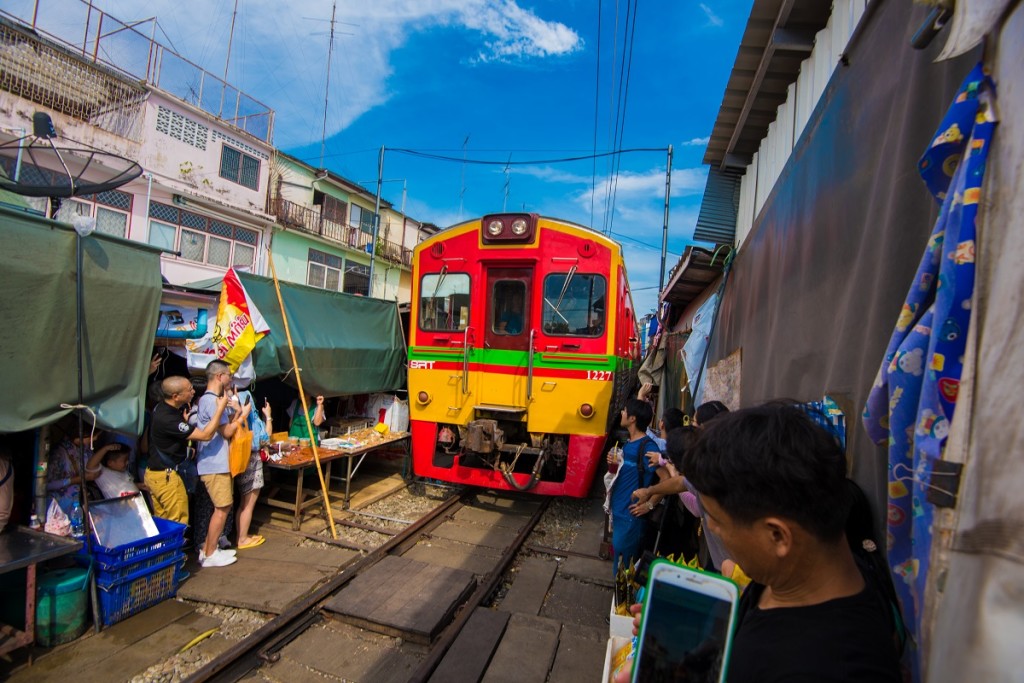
(523, 347)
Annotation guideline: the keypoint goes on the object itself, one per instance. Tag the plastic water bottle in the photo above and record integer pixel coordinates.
(77, 524)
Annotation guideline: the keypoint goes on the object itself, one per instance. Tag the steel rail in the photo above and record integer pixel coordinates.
(262, 645)
(482, 592)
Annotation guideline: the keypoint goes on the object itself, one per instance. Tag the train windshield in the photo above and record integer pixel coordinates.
(444, 301)
(574, 304)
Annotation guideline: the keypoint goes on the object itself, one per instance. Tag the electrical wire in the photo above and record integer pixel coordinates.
(611, 106)
(597, 93)
(614, 123)
(652, 247)
(528, 162)
(625, 101)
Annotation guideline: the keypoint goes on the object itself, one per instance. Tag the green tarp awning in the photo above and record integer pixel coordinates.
(38, 357)
(345, 344)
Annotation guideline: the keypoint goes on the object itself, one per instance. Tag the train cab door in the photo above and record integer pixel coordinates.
(506, 337)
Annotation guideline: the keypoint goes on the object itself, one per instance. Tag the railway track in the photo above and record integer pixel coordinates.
(459, 552)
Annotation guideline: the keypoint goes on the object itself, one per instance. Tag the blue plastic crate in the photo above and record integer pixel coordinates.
(129, 558)
(121, 598)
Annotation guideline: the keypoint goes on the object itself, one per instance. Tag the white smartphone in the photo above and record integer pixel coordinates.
(686, 629)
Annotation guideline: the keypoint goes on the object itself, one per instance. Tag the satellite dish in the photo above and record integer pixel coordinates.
(67, 169)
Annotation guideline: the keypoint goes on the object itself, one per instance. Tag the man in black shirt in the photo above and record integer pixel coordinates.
(169, 434)
(773, 485)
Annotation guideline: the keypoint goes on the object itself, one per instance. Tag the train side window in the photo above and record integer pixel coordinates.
(575, 308)
(508, 309)
(444, 302)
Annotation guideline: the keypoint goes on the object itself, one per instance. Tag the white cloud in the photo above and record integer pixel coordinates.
(280, 48)
(517, 32)
(648, 185)
(552, 174)
(696, 142)
(713, 19)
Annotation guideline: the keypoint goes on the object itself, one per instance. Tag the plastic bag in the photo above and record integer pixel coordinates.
(57, 522)
(240, 450)
(395, 411)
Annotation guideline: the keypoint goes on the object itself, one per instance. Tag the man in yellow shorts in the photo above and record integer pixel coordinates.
(212, 463)
(169, 435)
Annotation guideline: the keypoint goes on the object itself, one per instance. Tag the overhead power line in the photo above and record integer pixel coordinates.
(528, 162)
(597, 92)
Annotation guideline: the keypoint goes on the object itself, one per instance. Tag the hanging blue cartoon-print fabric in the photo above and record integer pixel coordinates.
(912, 403)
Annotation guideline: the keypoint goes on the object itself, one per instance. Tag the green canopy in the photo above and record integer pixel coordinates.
(38, 310)
(345, 344)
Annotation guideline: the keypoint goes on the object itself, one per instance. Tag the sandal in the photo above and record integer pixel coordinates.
(252, 543)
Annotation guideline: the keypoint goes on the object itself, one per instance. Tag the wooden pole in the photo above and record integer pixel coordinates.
(302, 397)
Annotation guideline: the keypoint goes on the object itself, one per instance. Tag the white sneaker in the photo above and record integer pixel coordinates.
(218, 559)
(202, 555)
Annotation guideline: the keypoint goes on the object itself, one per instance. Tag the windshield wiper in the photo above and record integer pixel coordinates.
(440, 279)
(561, 295)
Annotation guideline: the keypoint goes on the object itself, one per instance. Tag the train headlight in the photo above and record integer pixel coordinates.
(508, 229)
(423, 398)
(586, 411)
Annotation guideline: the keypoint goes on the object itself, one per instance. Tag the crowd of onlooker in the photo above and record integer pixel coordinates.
(180, 463)
(769, 491)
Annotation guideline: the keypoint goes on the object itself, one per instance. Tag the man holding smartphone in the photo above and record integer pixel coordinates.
(773, 486)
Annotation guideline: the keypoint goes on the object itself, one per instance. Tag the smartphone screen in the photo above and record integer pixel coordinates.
(685, 633)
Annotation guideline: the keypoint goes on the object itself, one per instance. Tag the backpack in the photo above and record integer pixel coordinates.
(641, 458)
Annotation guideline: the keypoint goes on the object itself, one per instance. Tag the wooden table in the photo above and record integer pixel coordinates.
(24, 547)
(302, 458)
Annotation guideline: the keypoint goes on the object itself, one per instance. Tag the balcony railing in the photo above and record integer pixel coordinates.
(395, 253)
(309, 220)
(93, 36)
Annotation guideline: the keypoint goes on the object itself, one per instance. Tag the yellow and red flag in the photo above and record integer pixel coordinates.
(239, 323)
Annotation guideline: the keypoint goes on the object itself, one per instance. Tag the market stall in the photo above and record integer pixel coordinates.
(342, 344)
(354, 448)
(80, 312)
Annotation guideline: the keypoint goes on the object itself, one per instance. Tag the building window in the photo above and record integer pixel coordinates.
(239, 167)
(111, 209)
(331, 209)
(324, 270)
(357, 279)
(362, 219)
(201, 239)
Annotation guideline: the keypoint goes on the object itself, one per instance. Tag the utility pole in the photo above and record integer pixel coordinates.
(376, 214)
(508, 184)
(664, 231)
(227, 61)
(462, 189)
(327, 89)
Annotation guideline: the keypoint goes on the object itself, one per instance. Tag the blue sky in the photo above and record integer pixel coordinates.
(515, 77)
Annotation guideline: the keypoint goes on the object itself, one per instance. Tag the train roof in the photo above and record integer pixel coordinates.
(595, 234)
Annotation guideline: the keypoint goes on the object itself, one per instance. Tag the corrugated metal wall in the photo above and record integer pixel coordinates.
(793, 114)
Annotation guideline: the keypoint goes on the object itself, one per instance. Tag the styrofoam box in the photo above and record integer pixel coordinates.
(619, 625)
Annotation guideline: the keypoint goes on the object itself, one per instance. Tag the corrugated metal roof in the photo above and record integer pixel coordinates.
(716, 222)
(692, 275)
(778, 37)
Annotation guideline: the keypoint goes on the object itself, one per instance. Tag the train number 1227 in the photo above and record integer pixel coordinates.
(600, 375)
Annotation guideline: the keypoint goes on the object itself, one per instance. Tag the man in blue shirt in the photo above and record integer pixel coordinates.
(635, 471)
(212, 461)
